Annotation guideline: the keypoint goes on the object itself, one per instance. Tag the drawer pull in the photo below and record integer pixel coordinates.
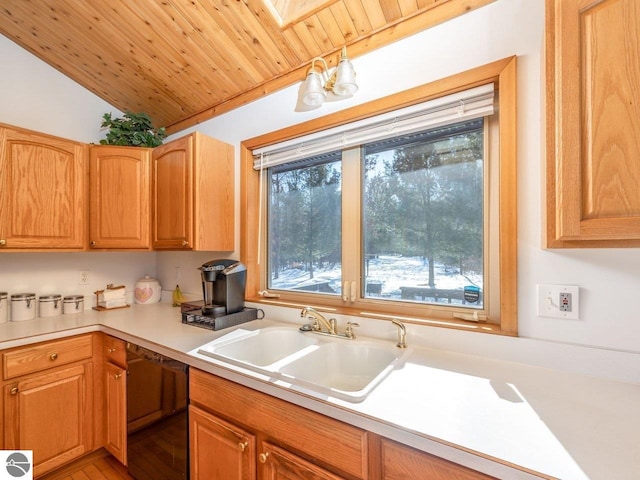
(53, 356)
(243, 445)
(14, 390)
(263, 457)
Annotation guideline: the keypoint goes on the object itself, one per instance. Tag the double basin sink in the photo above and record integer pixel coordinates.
(333, 366)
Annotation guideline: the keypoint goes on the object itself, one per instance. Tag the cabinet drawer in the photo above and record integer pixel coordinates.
(115, 351)
(34, 358)
(328, 442)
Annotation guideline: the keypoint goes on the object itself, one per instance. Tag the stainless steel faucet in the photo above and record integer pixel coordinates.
(402, 333)
(318, 318)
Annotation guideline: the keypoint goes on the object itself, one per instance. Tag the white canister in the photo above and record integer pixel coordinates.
(148, 290)
(4, 307)
(50, 305)
(73, 304)
(23, 306)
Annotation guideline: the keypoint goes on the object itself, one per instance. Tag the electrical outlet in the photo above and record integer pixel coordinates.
(83, 277)
(565, 302)
(558, 301)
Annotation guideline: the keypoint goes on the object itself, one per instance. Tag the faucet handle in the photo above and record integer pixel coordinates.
(349, 330)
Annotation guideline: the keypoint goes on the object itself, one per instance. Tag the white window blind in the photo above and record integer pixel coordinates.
(473, 103)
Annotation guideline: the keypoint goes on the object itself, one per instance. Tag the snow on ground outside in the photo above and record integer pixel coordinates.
(392, 271)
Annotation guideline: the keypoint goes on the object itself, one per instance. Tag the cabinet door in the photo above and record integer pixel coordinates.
(173, 195)
(120, 197)
(400, 462)
(42, 191)
(219, 450)
(593, 123)
(279, 464)
(51, 414)
(115, 381)
(193, 195)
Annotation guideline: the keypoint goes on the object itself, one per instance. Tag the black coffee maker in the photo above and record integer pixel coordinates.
(223, 284)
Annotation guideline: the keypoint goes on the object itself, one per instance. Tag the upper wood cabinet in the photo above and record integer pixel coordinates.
(119, 197)
(593, 123)
(42, 191)
(193, 195)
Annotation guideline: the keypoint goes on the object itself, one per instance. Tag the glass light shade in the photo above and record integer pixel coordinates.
(345, 79)
(313, 93)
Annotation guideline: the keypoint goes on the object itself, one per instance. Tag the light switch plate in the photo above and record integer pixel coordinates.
(549, 300)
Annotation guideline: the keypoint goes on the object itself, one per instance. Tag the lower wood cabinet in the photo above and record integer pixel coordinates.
(219, 449)
(239, 433)
(292, 442)
(279, 464)
(115, 390)
(113, 359)
(52, 414)
(400, 462)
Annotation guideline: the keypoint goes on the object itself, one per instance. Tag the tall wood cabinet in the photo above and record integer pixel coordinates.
(43, 194)
(119, 197)
(593, 123)
(193, 199)
(48, 400)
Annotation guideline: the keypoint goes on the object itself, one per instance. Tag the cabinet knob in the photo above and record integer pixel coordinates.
(3, 242)
(53, 356)
(14, 391)
(243, 445)
(111, 350)
(92, 243)
(117, 376)
(263, 457)
(185, 243)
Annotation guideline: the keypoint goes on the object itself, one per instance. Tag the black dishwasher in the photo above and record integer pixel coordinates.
(157, 424)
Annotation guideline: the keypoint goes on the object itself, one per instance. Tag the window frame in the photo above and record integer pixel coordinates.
(503, 74)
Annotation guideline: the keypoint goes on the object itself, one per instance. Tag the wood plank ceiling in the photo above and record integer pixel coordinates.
(185, 61)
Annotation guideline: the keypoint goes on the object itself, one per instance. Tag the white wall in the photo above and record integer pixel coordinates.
(35, 96)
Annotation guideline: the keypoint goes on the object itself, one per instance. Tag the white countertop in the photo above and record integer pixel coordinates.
(502, 418)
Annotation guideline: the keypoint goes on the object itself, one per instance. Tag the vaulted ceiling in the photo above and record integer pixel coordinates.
(185, 61)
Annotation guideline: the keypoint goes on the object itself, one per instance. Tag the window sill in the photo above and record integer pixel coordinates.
(468, 326)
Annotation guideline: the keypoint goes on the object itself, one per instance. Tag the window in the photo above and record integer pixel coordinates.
(408, 224)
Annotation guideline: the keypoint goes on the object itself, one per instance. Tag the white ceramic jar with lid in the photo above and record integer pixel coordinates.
(4, 307)
(50, 305)
(73, 304)
(147, 290)
(23, 306)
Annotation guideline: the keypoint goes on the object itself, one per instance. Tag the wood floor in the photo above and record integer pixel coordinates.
(99, 465)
